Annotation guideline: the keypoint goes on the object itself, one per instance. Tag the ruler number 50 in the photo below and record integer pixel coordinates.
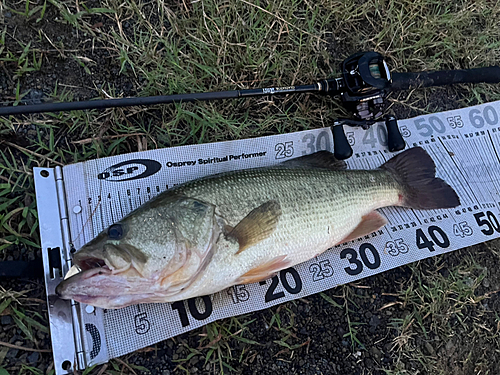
(491, 222)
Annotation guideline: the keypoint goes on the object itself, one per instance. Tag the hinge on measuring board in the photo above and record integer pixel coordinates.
(66, 258)
(54, 234)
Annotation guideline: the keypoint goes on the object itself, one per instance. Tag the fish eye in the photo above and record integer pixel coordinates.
(115, 232)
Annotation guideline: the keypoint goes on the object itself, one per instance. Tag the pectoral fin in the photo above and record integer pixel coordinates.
(264, 271)
(258, 225)
(369, 224)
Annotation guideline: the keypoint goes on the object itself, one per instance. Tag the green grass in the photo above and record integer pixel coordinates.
(448, 312)
(167, 47)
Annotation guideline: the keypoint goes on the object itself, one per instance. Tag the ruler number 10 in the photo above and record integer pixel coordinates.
(193, 309)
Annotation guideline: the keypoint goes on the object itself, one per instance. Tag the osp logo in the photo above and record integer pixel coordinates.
(130, 170)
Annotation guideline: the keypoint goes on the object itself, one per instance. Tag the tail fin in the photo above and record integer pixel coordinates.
(415, 171)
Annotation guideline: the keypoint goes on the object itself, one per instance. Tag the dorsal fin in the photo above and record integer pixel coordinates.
(258, 225)
(320, 159)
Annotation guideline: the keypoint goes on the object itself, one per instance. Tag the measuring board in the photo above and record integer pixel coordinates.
(78, 201)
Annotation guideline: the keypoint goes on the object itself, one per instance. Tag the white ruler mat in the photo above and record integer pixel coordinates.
(78, 201)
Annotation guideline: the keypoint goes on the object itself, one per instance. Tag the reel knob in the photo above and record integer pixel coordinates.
(341, 147)
(395, 141)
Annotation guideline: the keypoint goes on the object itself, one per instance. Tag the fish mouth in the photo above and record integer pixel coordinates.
(100, 287)
(97, 285)
(109, 257)
(98, 280)
(89, 262)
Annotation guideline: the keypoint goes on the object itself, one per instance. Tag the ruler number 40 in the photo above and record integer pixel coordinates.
(438, 237)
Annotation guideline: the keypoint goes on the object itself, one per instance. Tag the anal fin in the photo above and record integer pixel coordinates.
(264, 271)
(369, 224)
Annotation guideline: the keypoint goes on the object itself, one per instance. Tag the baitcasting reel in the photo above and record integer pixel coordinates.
(365, 79)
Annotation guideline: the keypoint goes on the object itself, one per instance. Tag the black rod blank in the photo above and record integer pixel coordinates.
(331, 86)
(151, 100)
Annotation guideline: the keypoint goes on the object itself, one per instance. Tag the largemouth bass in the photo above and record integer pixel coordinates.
(244, 226)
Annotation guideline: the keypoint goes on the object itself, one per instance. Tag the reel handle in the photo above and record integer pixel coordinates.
(341, 147)
(395, 141)
(343, 150)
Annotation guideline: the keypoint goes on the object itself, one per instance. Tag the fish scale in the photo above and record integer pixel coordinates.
(319, 209)
(244, 226)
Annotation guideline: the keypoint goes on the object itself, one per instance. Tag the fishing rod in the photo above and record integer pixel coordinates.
(365, 82)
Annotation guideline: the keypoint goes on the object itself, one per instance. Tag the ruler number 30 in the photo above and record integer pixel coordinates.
(352, 256)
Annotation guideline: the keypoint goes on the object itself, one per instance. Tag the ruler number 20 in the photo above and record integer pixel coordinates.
(271, 293)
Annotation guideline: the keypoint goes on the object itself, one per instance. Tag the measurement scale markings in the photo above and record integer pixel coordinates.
(474, 175)
(495, 139)
(130, 202)
(466, 171)
(463, 173)
(386, 231)
(485, 145)
(494, 145)
(388, 215)
(480, 151)
(479, 170)
(120, 201)
(113, 220)
(492, 167)
(440, 157)
(99, 202)
(81, 232)
(465, 191)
